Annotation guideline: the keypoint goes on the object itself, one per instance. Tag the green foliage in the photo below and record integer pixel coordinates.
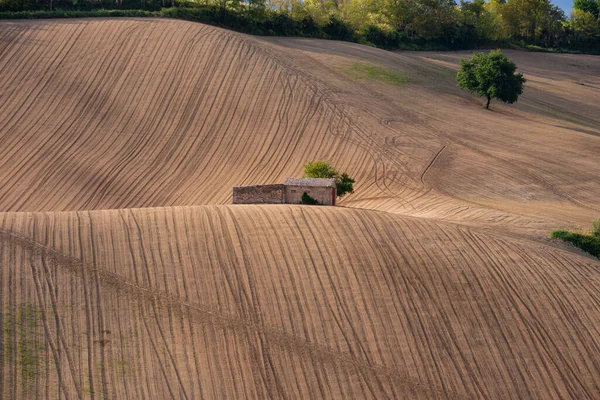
(491, 76)
(308, 200)
(433, 19)
(319, 169)
(322, 169)
(591, 6)
(338, 29)
(587, 243)
(344, 184)
(596, 228)
(482, 20)
(584, 27)
(388, 24)
(525, 18)
(384, 38)
(532, 47)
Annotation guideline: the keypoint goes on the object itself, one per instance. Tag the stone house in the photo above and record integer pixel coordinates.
(321, 189)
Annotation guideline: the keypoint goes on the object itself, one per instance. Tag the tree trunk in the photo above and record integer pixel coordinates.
(487, 106)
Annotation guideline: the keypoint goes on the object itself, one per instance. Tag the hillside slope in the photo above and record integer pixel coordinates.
(251, 301)
(527, 167)
(136, 113)
(125, 274)
(102, 114)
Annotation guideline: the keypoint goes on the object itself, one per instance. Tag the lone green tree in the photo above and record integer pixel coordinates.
(491, 76)
(322, 169)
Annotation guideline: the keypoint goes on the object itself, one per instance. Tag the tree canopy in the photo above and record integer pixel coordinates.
(591, 6)
(491, 76)
(410, 24)
(323, 169)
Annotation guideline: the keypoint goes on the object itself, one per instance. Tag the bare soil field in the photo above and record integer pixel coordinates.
(124, 273)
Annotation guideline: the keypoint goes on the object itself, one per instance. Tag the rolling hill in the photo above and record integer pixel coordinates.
(124, 273)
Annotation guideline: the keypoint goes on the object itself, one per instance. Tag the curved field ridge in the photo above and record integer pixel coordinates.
(254, 301)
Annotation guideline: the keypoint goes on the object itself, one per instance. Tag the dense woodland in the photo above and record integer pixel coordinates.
(416, 24)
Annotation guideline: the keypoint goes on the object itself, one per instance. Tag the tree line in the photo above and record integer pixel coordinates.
(411, 24)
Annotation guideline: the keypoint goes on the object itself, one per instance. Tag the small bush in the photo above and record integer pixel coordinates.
(336, 29)
(386, 39)
(587, 243)
(323, 169)
(306, 199)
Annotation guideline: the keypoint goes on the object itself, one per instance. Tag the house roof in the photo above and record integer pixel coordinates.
(310, 182)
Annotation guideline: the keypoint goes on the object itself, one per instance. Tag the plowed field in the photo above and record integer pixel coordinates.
(125, 274)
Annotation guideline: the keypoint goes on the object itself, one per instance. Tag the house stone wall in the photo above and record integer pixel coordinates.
(259, 194)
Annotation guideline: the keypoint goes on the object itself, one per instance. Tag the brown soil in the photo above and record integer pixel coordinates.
(124, 274)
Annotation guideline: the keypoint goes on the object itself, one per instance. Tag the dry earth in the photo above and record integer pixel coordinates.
(124, 274)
